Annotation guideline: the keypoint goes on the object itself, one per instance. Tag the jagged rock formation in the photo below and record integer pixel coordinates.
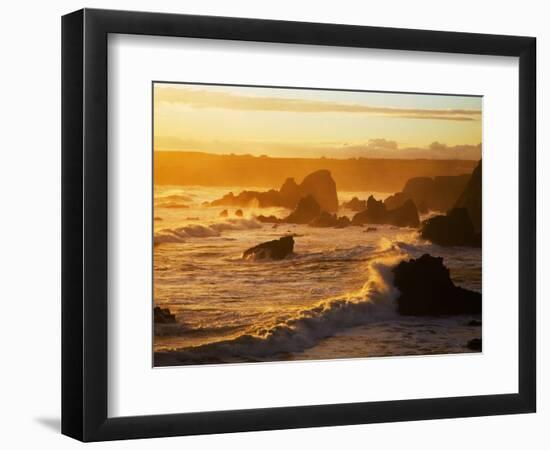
(163, 315)
(276, 249)
(399, 198)
(306, 210)
(250, 198)
(436, 194)
(327, 220)
(377, 213)
(355, 204)
(318, 184)
(471, 198)
(453, 229)
(309, 212)
(474, 344)
(427, 289)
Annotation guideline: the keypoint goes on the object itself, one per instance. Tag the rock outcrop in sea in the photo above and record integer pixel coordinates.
(376, 213)
(319, 184)
(306, 210)
(427, 289)
(452, 229)
(471, 198)
(435, 194)
(163, 315)
(461, 226)
(276, 249)
(309, 212)
(355, 204)
(327, 220)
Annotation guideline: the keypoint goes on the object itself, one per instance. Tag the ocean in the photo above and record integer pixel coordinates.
(333, 298)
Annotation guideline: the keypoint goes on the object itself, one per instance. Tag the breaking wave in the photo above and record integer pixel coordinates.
(304, 328)
(180, 234)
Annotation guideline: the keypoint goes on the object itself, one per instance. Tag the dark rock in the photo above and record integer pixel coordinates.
(163, 315)
(436, 194)
(343, 222)
(398, 199)
(474, 344)
(427, 289)
(319, 185)
(306, 210)
(268, 219)
(322, 188)
(250, 198)
(370, 229)
(404, 216)
(326, 220)
(239, 213)
(471, 198)
(454, 228)
(355, 204)
(376, 213)
(290, 193)
(474, 323)
(276, 249)
(157, 218)
(224, 213)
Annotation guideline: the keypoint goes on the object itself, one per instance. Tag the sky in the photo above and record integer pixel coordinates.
(282, 122)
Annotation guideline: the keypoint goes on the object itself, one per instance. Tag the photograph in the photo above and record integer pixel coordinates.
(314, 224)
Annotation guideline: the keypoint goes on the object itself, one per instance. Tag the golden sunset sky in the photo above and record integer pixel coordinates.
(314, 123)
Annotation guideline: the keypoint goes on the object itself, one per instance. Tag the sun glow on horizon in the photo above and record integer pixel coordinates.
(282, 122)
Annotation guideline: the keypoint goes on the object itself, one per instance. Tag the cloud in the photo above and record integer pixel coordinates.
(374, 148)
(382, 144)
(202, 98)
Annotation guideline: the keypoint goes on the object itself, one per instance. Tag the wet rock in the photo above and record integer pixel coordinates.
(436, 194)
(470, 199)
(453, 229)
(343, 222)
(306, 210)
(163, 315)
(250, 198)
(268, 219)
(355, 204)
(474, 344)
(327, 220)
(320, 185)
(426, 288)
(404, 216)
(377, 213)
(239, 213)
(474, 323)
(290, 193)
(322, 188)
(398, 199)
(276, 249)
(370, 229)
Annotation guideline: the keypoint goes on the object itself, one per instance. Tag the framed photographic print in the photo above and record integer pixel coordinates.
(273, 224)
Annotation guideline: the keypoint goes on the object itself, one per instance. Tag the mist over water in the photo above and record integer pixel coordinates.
(333, 298)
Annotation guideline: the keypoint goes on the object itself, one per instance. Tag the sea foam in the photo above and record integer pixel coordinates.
(304, 327)
(180, 234)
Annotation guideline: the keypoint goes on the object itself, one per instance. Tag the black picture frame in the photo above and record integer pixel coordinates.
(84, 224)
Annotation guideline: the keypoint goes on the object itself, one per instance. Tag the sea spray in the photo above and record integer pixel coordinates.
(304, 327)
(192, 230)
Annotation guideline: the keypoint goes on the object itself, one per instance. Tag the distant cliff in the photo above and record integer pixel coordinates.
(471, 198)
(357, 174)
